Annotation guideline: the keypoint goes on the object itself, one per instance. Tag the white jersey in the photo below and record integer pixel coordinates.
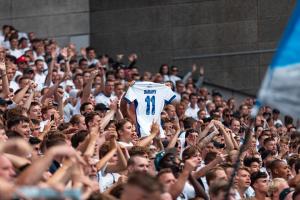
(149, 99)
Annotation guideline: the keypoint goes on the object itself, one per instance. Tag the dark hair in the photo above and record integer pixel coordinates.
(274, 164)
(210, 156)
(188, 122)
(268, 139)
(82, 107)
(34, 140)
(249, 160)
(89, 49)
(38, 60)
(297, 166)
(16, 120)
(161, 69)
(121, 123)
(192, 95)
(13, 134)
(78, 137)
(257, 175)
(82, 60)
(189, 152)
(189, 131)
(35, 122)
(34, 104)
(89, 117)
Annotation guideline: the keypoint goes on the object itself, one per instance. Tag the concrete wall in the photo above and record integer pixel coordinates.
(185, 31)
(60, 19)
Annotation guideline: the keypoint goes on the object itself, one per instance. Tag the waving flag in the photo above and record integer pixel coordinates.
(281, 85)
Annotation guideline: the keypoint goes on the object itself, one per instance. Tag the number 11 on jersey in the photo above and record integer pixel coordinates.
(150, 101)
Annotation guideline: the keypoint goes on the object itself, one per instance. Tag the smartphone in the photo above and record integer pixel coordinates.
(52, 117)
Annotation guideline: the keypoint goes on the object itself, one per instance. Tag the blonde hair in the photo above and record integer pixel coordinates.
(275, 183)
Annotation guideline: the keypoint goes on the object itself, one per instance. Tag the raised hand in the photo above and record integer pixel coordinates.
(2, 65)
(189, 165)
(60, 94)
(32, 85)
(83, 52)
(114, 104)
(64, 150)
(201, 71)
(154, 128)
(132, 57)
(64, 52)
(94, 73)
(120, 57)
(221, 157)
(194, 68)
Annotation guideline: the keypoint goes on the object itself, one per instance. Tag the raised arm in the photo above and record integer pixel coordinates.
(52, 89)
(177, 187)
(102, 162)
(63, 174)
(17, 161)
(48, 79)
(220, 158)
(204, 133)
(174, 139)
(199, 190)
(122, 162)
(59, 96)
(202, 143)
(227, 139)
(41, 165)
(189, 74)
(200, 80)
(109, 115)
(88, 87)
(18, 97)
(153, 133)
(92, 141)
(5, 83)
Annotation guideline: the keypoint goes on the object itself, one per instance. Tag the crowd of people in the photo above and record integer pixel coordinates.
(69, 130)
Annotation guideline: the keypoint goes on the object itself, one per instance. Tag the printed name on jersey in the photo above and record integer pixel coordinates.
(149, 91)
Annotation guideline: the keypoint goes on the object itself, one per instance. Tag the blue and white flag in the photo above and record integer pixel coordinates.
(281, 85)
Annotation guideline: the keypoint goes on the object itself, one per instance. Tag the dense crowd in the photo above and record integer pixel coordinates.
(70, 129)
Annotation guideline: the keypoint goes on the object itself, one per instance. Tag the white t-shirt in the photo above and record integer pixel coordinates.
(106, 180)
(187, 193)
(40, 80)
(16, 53)
(14, 85)
(101, 98)
(149, 99)
(192, 112)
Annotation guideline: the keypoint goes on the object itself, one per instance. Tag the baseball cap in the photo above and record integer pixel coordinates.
(100, 107)
(160, 155)
(73, 93)
(69, 83)
(28, 70)
(21, 59)
(5, 102)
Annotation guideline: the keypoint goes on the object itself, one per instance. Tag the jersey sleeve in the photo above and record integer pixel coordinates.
(169, 95)
(130, 95)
